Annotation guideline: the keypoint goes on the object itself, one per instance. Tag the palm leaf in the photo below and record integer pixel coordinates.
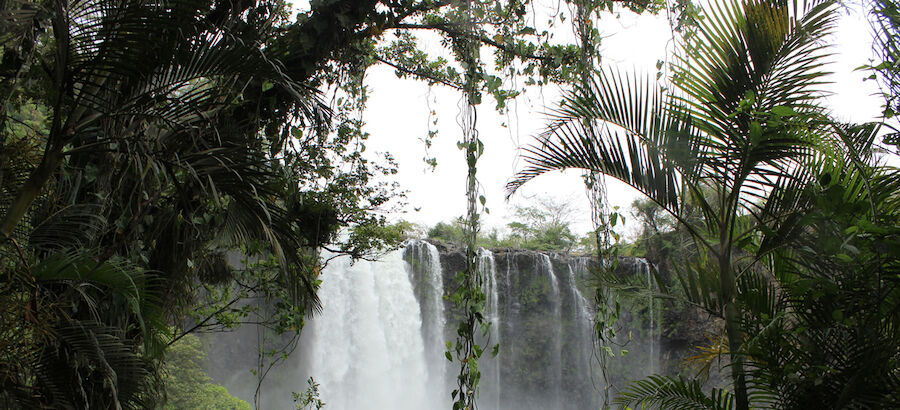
(107, 371)
(661, 392)
(738, 137)
(71, 227)
(620, 131)
(117, 277)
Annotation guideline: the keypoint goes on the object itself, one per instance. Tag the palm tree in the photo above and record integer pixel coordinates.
(820, 313)
(827, 334)
(735, 137)
(171, 99)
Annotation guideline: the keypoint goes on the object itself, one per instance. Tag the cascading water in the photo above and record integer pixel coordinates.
(583, 326)
(367, 348)
(652, 314)
(545, 335)
(426, 276)
(491, 387)
(379, 342)
(652, 338)
(556, 343)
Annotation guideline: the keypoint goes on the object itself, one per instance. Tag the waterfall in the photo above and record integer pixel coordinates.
(379, 341)
(583, 328)
(652, 324)
(491, 387)
(366, 349)
(652, 338)
(578, 266)
(556, 306)
(511, 307)
(426, 276)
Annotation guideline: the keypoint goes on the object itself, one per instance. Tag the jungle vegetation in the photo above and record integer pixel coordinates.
(792, 216)
(161, 162)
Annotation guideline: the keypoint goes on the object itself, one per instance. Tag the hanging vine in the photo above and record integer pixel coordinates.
(469, 296)
(595, 187)
(603, 218)
(521, 48)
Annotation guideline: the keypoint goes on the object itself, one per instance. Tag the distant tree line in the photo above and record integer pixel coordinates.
(545, 226)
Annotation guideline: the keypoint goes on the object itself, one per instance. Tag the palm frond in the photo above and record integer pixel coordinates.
(715, 351)
(662, 392)
(619, 127)
(750, 62)
(119, 278)
(107, 371)
(201, 72)
(771, 49)
(71, 227)
(700, 284)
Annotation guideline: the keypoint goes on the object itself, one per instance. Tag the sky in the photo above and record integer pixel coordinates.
(397, 118)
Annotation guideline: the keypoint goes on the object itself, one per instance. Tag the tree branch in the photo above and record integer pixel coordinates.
(449, 30)
(419, 74)
(203, 322)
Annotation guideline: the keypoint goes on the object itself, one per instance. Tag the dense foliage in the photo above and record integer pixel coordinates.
(187, 385)
(131, 167)
(161, 161)
(739, 153)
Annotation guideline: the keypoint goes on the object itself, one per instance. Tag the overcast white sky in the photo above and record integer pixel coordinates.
(397, 118)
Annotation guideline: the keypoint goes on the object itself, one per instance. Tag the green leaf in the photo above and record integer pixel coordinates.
(783, 111)
(838, 315)
(755, 131)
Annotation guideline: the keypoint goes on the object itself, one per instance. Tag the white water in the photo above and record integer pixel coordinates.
(581, 304)
(379, 342)
(366, 348)
(556, 352)
(645, 266)
(492, 387)
(427, 282)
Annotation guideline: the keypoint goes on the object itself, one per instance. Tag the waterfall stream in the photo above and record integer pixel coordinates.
(556, 363)
(492, 386)
(652, 314)
(380, 340)
(652, 333)
(426, 276)
(367, 349)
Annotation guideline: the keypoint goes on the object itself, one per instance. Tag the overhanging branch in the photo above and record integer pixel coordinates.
(419, 74)
(450, 30)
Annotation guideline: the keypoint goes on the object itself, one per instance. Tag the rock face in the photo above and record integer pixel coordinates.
(541, 324)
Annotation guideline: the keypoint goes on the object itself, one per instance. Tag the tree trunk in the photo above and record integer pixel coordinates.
(733, 330)
(30, 191)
